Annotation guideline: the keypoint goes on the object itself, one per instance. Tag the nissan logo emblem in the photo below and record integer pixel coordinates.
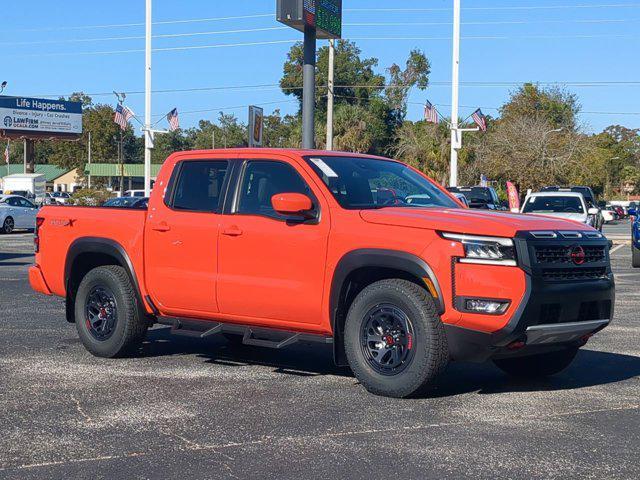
(577, 255)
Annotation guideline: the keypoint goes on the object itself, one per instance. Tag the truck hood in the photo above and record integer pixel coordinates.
(576, 217)
(473, 222)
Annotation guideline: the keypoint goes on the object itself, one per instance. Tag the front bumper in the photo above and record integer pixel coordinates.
(561, 307)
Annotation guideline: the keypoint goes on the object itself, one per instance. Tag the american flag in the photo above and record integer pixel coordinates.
(480, 119)
(172, 118)
(430, 113)
(6, 153)
(122, 116)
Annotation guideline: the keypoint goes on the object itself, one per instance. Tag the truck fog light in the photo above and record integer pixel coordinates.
(490, 307)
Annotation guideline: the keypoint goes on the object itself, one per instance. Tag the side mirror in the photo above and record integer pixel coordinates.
(593, 211)
(292, 204)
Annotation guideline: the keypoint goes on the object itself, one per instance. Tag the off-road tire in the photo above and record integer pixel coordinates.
(537, 366)
(131, 324)
(635, 256)
(430, 353)
(8, 225)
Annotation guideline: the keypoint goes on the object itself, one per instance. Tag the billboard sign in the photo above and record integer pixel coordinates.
(256, 126)
(40, 116)
(324, 15)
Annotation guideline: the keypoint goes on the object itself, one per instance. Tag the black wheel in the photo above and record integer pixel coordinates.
(533, 366)
(8, 225)
(635, 256)
(108, 318)
(394, 339)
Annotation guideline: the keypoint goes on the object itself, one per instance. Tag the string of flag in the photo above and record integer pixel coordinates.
(432, 115)
(123, 114)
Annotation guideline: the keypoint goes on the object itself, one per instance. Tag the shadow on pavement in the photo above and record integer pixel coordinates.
(590, 367)
(302, 359)
(13, 256)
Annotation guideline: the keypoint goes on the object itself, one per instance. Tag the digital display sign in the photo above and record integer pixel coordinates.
(324, 15)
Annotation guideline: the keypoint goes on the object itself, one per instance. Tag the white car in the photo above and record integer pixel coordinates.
(61, 197)
(566, 205)
(16, 213)
(134, 193)
(608, 214)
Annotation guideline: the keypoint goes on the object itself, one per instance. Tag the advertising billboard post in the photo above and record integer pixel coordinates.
(37, 117)
(256, 126)
(317, 19)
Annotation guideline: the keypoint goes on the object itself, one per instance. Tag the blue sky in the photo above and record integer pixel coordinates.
(49, 48)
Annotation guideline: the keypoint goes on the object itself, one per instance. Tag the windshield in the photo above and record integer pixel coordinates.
(553, 205)
(475, 194)
(365, 183)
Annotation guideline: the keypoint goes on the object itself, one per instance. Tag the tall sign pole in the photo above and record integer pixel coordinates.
(318, 19)
(148, 135)
(456, 134)
(309, 88)
(330, 93)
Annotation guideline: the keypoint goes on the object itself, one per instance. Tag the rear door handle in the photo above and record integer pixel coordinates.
(161, 227)
(233, 231)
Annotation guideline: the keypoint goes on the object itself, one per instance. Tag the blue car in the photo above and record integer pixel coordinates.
(635, 236)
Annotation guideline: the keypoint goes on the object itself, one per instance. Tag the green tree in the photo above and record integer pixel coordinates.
(354, 77)
(556, 106)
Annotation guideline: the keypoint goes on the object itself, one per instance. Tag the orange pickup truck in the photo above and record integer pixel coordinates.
(270, 247)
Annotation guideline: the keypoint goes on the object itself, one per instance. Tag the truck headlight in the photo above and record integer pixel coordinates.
(485, 250)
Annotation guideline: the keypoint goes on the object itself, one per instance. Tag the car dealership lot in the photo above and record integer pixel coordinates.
(207, 409)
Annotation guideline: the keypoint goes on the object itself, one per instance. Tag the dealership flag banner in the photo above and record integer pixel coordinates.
(514, 198)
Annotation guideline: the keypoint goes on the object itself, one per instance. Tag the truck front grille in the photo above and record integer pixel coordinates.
(577, 273)
(560, 254)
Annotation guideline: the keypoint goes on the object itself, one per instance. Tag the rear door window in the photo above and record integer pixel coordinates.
(199, 187)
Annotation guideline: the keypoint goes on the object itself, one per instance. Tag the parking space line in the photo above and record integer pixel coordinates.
(615, 249)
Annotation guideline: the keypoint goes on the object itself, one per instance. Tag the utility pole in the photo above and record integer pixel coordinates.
(89, 161)
(148, 135)
(456, 134)
(330, 94)
(309, 88)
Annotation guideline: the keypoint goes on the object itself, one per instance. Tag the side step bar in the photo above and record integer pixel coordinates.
(251, 335)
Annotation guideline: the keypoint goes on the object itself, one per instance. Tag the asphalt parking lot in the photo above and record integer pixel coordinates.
(207, 409)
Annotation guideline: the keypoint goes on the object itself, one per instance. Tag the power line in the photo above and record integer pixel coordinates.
(267, 29)
(279, 42)
(217, 109)
(518, 7)
(372, 10)
(141, 24)
(500, 22)
(271, 86)
(141, 37)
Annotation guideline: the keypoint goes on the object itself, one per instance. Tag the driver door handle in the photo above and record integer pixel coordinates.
(161, 227)
(233, 231)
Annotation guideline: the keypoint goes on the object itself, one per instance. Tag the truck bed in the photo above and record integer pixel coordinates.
(61, 226)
